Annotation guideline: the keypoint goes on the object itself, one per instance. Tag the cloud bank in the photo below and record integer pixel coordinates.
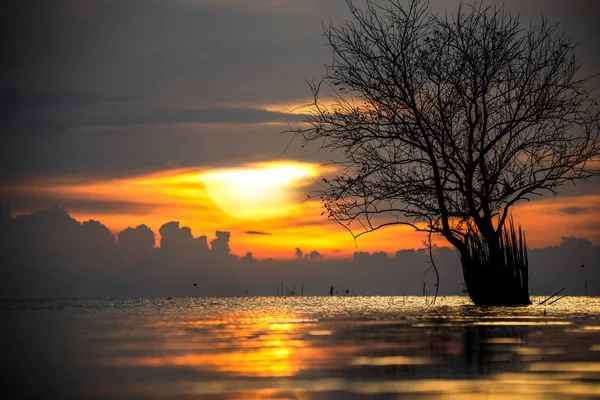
(50, 254)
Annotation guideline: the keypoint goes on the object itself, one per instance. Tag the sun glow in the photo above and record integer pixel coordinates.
(257, 191)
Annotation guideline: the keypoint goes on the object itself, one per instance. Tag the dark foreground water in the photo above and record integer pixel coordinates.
(299, 348)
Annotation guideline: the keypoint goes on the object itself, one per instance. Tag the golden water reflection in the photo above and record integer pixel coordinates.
(306, 348)
(274, 345)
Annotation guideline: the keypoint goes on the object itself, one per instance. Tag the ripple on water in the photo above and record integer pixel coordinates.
(308, 347)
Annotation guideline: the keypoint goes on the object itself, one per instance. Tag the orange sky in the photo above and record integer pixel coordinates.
(270, 198)
(95, 96)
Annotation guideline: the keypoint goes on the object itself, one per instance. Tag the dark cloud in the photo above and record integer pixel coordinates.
(555, 267)
(221, 51)
(256, 233)
(174, 237)
(113, 63)
(220, 245)
(161, 64)
(16, 102)
(50, 254)
(138, 240)
(314, 255)
(573, 210)
(28, 201)
(593, 227)
(53, 121)
(118, 152)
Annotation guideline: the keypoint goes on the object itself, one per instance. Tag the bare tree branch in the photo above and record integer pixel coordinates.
(453, 119)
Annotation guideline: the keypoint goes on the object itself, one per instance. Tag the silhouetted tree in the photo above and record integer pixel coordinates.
(445, 122)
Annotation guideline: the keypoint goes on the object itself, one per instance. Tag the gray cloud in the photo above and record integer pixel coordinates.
(49, 254)
(162, 64)
(256, 233)
(106, 152)
(53, 121)
(219, 51)
(594, 228)
(41, 202)
(573, 210)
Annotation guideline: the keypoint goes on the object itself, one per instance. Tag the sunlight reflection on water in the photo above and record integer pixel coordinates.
(304, 348)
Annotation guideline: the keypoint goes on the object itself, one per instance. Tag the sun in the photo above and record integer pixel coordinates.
(258, 191)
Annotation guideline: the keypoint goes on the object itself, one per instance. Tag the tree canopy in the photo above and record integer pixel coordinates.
(445, 121)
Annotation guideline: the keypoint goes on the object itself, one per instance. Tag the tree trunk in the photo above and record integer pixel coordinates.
(496, 270)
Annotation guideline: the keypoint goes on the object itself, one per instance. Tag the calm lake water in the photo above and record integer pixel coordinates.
(299, 348)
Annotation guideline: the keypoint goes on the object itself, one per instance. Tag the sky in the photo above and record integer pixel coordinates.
(144, 112)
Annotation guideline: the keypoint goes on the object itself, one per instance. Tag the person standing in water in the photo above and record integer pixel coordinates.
(331, 291)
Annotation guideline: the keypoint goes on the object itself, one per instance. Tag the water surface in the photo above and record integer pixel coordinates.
(300, 348)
